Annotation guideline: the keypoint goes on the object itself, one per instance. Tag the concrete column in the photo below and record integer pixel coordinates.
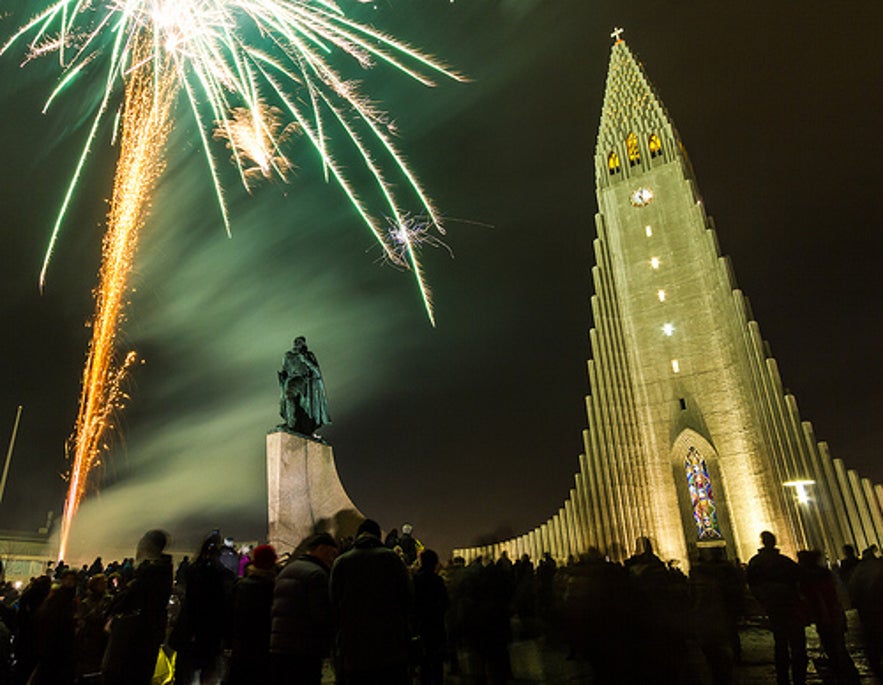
(864, 511)
(558, 529)
(572, 525)
(874, 507)
(538, 544)
(838, 509)
(554, 538)
(855, 524)
(583, 510)
(563, 525)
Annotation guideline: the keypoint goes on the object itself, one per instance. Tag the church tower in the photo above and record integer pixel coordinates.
(692, 440)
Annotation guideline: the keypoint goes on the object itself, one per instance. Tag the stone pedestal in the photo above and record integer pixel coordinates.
(304, 493)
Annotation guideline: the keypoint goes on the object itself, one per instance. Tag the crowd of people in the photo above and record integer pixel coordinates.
(383, 611)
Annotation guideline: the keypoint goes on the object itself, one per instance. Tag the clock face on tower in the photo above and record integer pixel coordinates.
(641, 197)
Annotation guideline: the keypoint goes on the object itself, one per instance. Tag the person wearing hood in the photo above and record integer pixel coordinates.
(372, 596)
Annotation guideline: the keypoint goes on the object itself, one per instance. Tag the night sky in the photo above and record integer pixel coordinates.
(472, 428)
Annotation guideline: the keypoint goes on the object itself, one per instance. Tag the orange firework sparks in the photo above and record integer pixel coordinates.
(146, 124)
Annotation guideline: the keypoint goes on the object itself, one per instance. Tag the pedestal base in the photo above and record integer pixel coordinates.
(304, 493)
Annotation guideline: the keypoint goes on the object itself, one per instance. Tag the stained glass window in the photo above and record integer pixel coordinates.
(701, 497)
(631, 147)
(613, 162)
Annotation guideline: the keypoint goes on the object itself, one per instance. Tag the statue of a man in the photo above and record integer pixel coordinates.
(302, 404)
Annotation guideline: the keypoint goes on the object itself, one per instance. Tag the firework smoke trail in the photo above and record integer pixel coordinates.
(206, 49)
(146, 124)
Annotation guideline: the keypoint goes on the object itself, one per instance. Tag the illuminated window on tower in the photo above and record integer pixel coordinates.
(655, 146)
(613, 163)
(701, 498)
(631, 147)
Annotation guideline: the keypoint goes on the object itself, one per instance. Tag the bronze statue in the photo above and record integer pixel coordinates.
(302, 404)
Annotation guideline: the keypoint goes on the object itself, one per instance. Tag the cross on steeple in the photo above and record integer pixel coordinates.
(617, 32)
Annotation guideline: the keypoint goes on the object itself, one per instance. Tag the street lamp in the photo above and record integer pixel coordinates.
(800, 488)
(805, 518)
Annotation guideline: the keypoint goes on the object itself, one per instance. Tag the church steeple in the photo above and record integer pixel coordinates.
(636, 132)
(691, 437)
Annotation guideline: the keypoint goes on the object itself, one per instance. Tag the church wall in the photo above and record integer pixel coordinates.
(725, 394)
(688, 257)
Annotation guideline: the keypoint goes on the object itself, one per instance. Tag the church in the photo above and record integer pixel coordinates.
(691, 439)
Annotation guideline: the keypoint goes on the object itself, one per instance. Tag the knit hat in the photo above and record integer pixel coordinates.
(264, 557)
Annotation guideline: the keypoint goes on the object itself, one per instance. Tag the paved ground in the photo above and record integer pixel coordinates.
(533, 662)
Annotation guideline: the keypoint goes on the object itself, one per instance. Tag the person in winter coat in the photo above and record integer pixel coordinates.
(774, 580)
(409, 544)
(866, 594)
(825, 610)
(56, 630)
(138, 615)
(371, 594)
(24, 643)
(302, 624)
(430, 607)
(91, 635)
(198, 635)
(250, 614)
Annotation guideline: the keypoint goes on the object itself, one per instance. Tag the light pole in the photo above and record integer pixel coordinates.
(9, 453)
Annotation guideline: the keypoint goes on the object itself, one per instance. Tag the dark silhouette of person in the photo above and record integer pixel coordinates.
(453, 575)
(485, 597)
(56, 635)
(96, 567)
(774, 580)
(717, 599)
(392, 538)
(820, 591)
(430, 607)
(372, 596)
(302, 625)
(408, 544)
(198, 635)
(524, 600)
(139, 615)
(251, 601)
(24, 643)
(658, 603)
(847, 564)
(866, 595)
(545, 586)
(91, 635)
(595, 615)
(181, 573)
